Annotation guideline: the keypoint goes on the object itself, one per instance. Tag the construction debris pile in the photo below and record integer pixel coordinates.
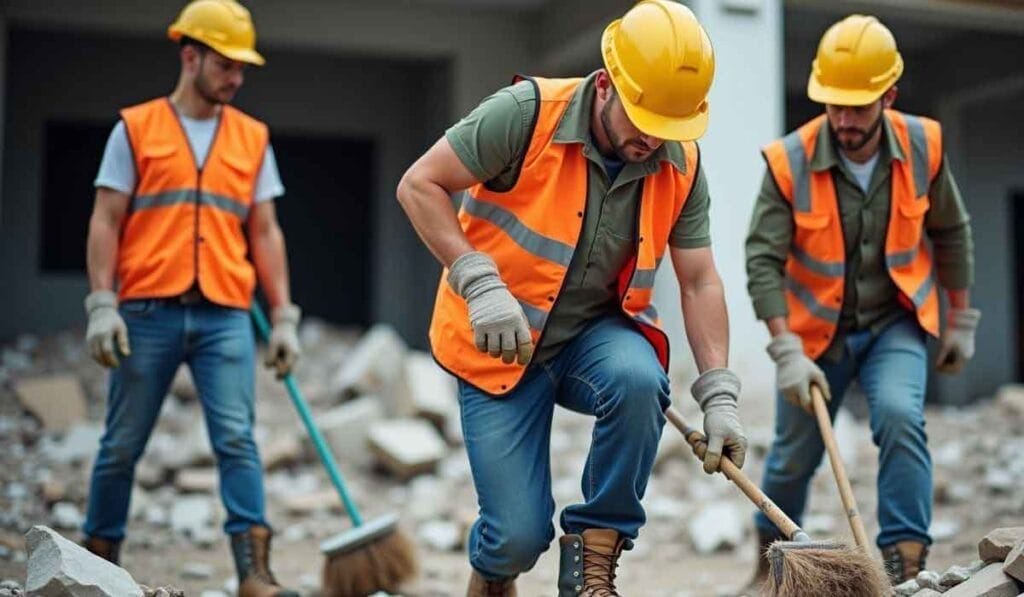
(998, 571)
(390, 415)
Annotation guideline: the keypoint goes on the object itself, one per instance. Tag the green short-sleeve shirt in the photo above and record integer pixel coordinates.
(870, 297)
(489, 141)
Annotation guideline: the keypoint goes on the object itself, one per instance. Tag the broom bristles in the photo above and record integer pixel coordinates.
(823, 570)
(381, 565)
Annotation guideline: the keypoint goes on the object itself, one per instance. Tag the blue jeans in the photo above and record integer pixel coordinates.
(609, 371)
(892, 369)
(219, 347)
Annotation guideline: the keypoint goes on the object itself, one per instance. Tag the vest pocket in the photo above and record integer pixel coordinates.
(911, 221)
(239, 164)
(811, 221)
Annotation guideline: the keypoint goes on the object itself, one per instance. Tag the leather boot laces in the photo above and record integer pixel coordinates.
(599, 573)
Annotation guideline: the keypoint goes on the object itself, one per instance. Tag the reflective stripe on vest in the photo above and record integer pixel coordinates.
(531, 231)
(815, 269)
(186, 224)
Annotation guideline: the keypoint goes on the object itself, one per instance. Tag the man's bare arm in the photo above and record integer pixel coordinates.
(703, 302)
(425, 194)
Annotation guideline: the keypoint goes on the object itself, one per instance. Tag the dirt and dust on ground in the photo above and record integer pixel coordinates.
(391, 417)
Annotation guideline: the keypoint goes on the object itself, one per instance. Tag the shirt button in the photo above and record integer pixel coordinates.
(579, 214)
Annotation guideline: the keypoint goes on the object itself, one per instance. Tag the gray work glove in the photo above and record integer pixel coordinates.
(717, 391)
(107, 333)
(283, 348)
(956, 346)
(795, 371)
(499, 326)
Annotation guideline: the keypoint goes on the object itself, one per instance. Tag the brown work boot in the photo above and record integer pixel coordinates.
(753, 587)
(251, 550)
(481, 587)
(104, 548)
(588, 563)
(904, 560)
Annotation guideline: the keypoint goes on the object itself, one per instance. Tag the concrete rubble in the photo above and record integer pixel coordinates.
(59, 568)
(390, 416)
(57, 401)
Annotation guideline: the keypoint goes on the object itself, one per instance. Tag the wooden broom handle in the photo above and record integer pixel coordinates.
(696, 440)
(845, 491)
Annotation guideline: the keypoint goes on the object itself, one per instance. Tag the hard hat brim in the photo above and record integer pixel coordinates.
(241, 55)
(835, 96)
(175, 33)
(668, 128)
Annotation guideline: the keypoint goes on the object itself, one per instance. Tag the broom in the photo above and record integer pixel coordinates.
(799, 567)
(860, 536)
(372, 556)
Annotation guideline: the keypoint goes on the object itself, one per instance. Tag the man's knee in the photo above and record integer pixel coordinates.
(519, 549)
(636, 389)
(896, 419)
(235, 444)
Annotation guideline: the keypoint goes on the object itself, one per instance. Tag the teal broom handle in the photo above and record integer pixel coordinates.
(263, 327)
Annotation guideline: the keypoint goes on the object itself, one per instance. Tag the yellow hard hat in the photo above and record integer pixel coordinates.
(661, 62)
(224, 25)
(857, 62)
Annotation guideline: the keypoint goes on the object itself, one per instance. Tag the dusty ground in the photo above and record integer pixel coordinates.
(978, 452)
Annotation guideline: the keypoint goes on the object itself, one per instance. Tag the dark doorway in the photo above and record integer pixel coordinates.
(1017, 209)
(327, 219)
(71, 159)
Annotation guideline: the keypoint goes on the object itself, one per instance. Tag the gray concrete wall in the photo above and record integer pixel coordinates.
(296, 93)
(390, 70)
(987, 158)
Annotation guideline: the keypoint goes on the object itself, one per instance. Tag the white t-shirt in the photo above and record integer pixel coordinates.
(861, 172)
(117, 169)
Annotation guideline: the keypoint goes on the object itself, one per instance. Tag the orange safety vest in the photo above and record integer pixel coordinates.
(815, 268)
(531, 231)
(185, 225)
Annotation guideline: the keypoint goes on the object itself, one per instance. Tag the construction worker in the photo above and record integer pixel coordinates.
(576, 189)
(184, 180)
(840, 271)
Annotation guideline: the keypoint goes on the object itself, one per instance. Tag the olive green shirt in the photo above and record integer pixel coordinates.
(870, 300)
(490, 141)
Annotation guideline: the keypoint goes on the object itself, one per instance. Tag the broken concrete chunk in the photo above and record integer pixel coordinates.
(907, 588)
(990, 581)
(998, 544)
(346, 428)
(183, 387)
(56, 400)
(196, 480)
(148, 474)
(375, 365)
(324, 500)
(59, 568)
(433, 391)
(955, 575)
(944, 529)
(80, 442)
(197, 571)
(407, 447)
(282, 449)
(1014, 563)
(190, 514)
(1010, 399)
(442, 535)
(927, 593)
(53, 491)
(928, 579)
(66, 515)
(715, 527)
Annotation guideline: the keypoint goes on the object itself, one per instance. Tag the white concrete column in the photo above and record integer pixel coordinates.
(747, 107)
